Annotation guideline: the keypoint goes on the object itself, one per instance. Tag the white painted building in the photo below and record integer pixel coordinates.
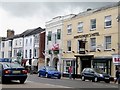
(17, 46)
(53, 44)
(6, 48)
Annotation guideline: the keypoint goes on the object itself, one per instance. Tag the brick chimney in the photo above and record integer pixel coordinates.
(10, 33)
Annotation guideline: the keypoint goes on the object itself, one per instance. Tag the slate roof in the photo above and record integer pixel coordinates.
(85, 13)
(25, 33)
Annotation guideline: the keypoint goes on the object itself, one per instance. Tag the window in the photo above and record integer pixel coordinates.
(108, 21)
(36, 39)
(58, 33)
(49, 35)
(20, 42)
(67, 64)
(3, 45)
(9, 54)
(10, 43)
(93, 24)
(108, 42)
(69, 45)
(25, 53)
(30, 41)
(15, 52)
(3, 54)
(35, 52)
(81, 47)
(16, 42)
(93, 44)
(30, 54)
(80, 27)
(69, 29)
(26, 42)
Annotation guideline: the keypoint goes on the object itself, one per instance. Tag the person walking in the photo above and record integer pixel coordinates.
(117, 76)
(70, 72)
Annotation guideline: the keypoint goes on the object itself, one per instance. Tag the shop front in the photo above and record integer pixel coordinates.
(102, 63)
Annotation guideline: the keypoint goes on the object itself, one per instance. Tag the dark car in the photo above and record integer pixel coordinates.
(12, 71)
(49, 72)
(95, 75)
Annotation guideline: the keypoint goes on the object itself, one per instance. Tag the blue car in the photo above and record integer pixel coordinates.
(49, 72)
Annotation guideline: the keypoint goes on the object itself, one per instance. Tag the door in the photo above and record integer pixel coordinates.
(85, 64)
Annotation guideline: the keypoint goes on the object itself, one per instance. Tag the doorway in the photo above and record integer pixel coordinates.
(55, 63)
(85, 64)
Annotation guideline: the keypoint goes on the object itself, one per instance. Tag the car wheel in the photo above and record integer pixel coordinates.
(95, 79)
(22, 81)
(59, 77)
(107, 81)
(83, 78)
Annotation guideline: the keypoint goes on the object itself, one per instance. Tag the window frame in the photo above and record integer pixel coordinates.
(80, 27)
(92, 44)
(69, 29)
(107, 43)
(92, 23)
(69, 46)
(106, 20)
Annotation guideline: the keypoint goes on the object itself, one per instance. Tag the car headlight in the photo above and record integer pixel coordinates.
(101, 75)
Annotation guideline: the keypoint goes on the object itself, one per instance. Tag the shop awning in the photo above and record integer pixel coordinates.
(83, 55)
(102, 59)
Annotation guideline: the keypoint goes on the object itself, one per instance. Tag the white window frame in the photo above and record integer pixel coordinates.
(108, 19)
(92, 45)
(69, 29)
(107, 43)
(91, 24)
(80, 27)
(68, 45)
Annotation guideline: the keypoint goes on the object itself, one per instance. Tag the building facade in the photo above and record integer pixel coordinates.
(91, 39)
(53, 44)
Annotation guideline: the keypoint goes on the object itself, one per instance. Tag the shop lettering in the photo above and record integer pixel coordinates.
(87, 35)
(116, 59)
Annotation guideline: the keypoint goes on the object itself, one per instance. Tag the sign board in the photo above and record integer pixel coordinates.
(116, 59)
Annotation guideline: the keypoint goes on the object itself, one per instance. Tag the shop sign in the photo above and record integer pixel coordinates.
(87, 35)
(55, 47)
(116, 59)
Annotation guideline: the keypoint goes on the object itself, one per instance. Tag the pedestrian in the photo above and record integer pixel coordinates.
(70, 72)
(117, 76)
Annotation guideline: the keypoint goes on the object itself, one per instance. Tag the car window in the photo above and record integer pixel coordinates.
(86, 70)
(12, 65)
(51, 69)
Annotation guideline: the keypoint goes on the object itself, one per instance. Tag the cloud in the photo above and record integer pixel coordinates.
(21, 16)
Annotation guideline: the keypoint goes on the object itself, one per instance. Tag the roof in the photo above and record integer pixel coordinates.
(32, 31)
(97, 9)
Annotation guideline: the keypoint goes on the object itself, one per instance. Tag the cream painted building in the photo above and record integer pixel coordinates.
(91, 39)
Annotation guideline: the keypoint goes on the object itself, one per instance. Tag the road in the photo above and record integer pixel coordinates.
(33, 81)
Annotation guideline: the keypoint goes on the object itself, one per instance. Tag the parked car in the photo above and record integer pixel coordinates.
(12, 71)
(95, 75)
(49, 72)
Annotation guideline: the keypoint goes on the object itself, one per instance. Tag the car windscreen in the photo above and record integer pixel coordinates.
(12, 65)
(99, 70)
(51, 69)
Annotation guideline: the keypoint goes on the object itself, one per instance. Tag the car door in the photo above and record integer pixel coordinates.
(91, 73)
(43, 71)
(86, 73)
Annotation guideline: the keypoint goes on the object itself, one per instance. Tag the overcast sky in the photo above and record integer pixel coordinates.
(21, 16)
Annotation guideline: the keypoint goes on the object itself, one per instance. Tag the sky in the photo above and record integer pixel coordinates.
(20, 16)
